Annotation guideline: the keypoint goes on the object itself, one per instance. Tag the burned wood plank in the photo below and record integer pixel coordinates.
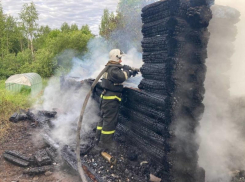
(19, 155)
(49, 141)
(52, 153)
(16, 160)
(16, 117)
(49, 114)
(42, 158)
(38, 170)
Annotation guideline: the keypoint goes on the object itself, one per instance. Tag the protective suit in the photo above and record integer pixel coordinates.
(110, 100)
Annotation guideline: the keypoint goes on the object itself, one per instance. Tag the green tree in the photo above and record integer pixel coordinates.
(12, 33)
(21, 36)
(54, 33)
(21, 42)
(41, 36)
(44, 30)
(2, 36)
(121, 30)
(65, 27)
(108, 24)
(29, 17)
(78, 41)
(24, 57)
(74, 27)
(8, 65)
(85, 30)
(44, 64)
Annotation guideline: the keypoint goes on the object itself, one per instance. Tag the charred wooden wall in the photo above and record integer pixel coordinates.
(161, 118)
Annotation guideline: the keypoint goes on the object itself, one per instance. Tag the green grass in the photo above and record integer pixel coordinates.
(2, 84)
(45, 82)
(13, 102)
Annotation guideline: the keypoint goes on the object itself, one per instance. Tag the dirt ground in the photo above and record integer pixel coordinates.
(22, 137)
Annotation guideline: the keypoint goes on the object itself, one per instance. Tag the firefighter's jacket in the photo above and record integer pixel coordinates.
(112, 79)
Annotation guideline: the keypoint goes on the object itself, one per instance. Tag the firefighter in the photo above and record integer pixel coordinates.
(110, 101)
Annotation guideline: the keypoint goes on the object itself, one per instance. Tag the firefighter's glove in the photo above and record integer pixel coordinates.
(134, 73)
(126, 68)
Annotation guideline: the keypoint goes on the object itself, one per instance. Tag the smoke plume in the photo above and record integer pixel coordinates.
(69, 102)
(222, 139)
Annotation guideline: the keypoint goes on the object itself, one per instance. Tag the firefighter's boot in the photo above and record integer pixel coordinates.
(96, 149)
(107, 143)
(111, 147)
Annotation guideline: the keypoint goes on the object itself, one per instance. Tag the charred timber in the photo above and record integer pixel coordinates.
(38, 170)
(174, 52)
(42, 158)
(17, 158)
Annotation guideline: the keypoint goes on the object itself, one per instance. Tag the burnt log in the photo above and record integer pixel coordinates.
(40, 118)
(16, 117)
(49, 114)
(38, 170)
(170, 26)
(17, 158)
(52, 153)
(42, 158)
(50, 142)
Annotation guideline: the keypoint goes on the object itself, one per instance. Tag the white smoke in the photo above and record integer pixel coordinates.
(68, 103)
(237, 70)
(222, 140)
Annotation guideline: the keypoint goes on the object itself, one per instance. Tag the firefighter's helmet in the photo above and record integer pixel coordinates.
(115, 55)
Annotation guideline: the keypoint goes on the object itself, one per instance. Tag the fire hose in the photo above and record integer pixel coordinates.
(79, 125)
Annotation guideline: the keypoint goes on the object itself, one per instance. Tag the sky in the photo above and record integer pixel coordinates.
(56, 12)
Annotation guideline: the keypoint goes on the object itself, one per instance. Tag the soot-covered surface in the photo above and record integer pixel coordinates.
(162, 117)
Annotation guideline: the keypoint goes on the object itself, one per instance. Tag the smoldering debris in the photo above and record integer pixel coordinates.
(129, 166)
(37, 164)
(36, 117)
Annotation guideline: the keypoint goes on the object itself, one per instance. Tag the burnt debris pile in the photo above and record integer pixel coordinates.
(36, 117)
(38, 163)
(162, 118)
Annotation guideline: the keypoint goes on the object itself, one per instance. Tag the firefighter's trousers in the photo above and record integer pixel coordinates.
(109, 112)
